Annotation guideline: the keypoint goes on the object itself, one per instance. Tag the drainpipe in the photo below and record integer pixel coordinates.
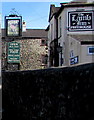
(56, 45)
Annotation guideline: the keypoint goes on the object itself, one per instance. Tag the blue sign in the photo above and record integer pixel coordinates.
(74, 60)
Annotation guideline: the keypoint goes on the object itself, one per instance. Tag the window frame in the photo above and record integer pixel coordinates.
(44, 59)
(89, 53)
(43, 44)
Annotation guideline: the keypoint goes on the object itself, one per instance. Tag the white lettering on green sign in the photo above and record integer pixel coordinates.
(13, 52)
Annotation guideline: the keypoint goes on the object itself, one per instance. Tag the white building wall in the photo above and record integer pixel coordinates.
(90, 1)
(51, 36)
(86, 58)
(70, 43)
(74, 49)
(72, 9)
(48, 48)
(68, 40)
(0, 45)
(81, 49)
(52, 29)
(0, 68)
(63, 39)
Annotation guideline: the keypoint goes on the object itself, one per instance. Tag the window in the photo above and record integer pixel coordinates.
(43, 42)
(44, 59)
(91, 50)
(71, 54)
(51, 31)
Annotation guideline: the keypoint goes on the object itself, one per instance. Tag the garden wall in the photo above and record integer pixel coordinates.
(49, 94)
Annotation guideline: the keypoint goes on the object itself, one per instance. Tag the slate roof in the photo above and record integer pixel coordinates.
(53, 11)
(32, 33)
(35, 33)
(79, 0)
(83, 37)
(74, 4)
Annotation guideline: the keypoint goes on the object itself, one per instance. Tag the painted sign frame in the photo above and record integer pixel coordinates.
(81, 21)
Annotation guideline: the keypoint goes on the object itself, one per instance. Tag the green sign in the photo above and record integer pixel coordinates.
(13, 52)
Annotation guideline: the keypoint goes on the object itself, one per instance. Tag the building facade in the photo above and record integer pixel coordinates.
(0, 44)
(32, 50)
(73, 32)
(52, 37)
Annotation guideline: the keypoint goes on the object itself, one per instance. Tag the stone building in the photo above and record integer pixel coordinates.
(71, 33)
(33, 50)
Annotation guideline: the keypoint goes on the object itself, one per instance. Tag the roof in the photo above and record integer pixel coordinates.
(83, 37)
(76, 3)
(53, 11)
(31, 33)
(48, 27)
(89, 1)
(35, 33)
(73, 4)
(79, 0)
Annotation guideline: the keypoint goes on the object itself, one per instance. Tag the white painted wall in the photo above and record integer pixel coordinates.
(51, 35)
(0, 45)
(71, 9)
(68, 43)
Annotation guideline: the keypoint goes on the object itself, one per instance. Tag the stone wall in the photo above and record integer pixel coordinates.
(49, 94)
(31, 52)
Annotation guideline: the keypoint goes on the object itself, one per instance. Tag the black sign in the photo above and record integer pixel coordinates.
(74, 60)
(80, 20)
(13, 26)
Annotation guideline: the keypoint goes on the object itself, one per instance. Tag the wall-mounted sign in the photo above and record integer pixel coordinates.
(13, 27)
(80, 20)
(74, 60)
(13, 52)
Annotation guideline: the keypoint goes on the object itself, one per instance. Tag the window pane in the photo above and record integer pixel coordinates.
(44, 59)
(90, 50)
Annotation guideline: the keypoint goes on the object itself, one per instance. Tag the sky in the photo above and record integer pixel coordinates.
(35, 14)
